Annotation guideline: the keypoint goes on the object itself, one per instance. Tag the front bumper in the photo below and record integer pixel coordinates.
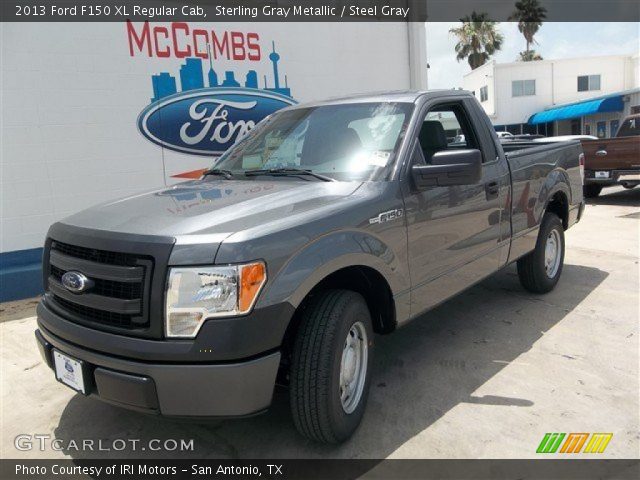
(175, 386)
(191, 390)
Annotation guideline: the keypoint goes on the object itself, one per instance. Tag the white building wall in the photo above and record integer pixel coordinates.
(519, 109)
(556, 83)
(481, 77)
(612, 71)
(633, 71)
(71, 95)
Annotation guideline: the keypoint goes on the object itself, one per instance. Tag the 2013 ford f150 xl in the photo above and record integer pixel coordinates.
(327, 224)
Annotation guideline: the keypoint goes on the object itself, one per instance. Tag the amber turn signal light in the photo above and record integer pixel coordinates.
(252, 277)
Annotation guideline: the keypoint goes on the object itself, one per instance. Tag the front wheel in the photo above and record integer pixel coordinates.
(330, 370)
(540, 270)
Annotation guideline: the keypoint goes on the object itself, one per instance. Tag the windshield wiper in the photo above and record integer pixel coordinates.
(288, 172)
(228, 174)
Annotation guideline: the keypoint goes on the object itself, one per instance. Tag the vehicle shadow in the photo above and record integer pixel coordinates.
(421, 372)
(618, 196)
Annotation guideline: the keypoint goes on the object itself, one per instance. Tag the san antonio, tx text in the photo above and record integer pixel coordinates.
(118, 469)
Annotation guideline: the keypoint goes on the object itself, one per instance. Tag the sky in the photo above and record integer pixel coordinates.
(555, 40)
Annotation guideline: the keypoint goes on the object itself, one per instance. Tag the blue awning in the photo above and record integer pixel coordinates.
(577, 110)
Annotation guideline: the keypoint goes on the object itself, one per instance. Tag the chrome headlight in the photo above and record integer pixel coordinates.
(195, 294)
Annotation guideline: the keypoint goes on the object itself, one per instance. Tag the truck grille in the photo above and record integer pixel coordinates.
(100, 256)
(100, 316)
(118, 297)
(107, 288)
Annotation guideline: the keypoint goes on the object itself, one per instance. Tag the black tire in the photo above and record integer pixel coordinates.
(629, 186)
(531, 268)
(591, 191)
(315, 370)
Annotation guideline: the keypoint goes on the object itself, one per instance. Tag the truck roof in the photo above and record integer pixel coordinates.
(399, 96)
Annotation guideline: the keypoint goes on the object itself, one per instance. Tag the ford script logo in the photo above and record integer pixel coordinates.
(75, 282)
(207, 121)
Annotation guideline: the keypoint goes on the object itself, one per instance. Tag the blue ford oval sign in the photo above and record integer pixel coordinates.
(207, 121)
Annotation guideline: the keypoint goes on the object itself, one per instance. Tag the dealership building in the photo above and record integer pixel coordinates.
(96, 111)
(572, 96)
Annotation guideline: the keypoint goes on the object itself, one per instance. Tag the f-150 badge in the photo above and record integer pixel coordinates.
(387, 216)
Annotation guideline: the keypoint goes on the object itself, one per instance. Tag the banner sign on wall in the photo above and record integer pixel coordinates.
(200, 110)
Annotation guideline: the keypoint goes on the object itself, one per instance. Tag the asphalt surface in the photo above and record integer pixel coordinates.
(485, 375)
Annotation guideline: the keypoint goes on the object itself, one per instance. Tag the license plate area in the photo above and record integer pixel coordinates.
(70, 371)
(602, 174)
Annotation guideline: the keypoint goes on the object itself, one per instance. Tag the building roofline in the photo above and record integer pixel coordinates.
(489, 64)
(549, 61)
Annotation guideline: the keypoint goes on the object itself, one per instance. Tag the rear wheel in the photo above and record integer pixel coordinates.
(591, 191)
(330, 371)
(540, 270)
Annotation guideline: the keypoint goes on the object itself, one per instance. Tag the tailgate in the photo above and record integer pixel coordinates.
(612, 153)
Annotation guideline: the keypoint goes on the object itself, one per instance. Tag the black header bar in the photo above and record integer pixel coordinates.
(306, 10)
(205, 469)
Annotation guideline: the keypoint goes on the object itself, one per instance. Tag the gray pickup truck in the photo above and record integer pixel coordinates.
(328, 224)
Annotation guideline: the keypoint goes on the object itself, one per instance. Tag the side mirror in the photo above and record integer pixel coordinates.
(449, 167)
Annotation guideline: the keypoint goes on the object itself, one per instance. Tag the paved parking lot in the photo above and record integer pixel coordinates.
(485, 375)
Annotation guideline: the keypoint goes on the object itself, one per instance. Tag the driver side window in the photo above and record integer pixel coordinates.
(445, 127)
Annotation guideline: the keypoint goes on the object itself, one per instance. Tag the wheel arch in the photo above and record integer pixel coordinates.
(351, 260)
(558, 203)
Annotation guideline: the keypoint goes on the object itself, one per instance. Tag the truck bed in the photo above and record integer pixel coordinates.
(535, 170)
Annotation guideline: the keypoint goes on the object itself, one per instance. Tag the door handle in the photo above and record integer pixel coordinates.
(601, 153)
(492, 189)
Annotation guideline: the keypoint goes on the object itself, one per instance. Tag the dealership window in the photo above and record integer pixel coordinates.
(575, 126)
(484, 93)
(515, 128)
(522, 88)
(588, 82)
(613, 127)
(547, 129)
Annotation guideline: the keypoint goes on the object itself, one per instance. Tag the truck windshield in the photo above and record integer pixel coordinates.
(630, 128)
(356, 141)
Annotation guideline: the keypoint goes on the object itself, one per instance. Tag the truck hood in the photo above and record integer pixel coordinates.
(211, 207)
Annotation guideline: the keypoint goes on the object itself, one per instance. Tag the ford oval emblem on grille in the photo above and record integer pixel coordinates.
(75, 282)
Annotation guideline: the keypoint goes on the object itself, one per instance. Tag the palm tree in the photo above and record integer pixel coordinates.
(529, 14)
(529, 55)
(478, 39)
